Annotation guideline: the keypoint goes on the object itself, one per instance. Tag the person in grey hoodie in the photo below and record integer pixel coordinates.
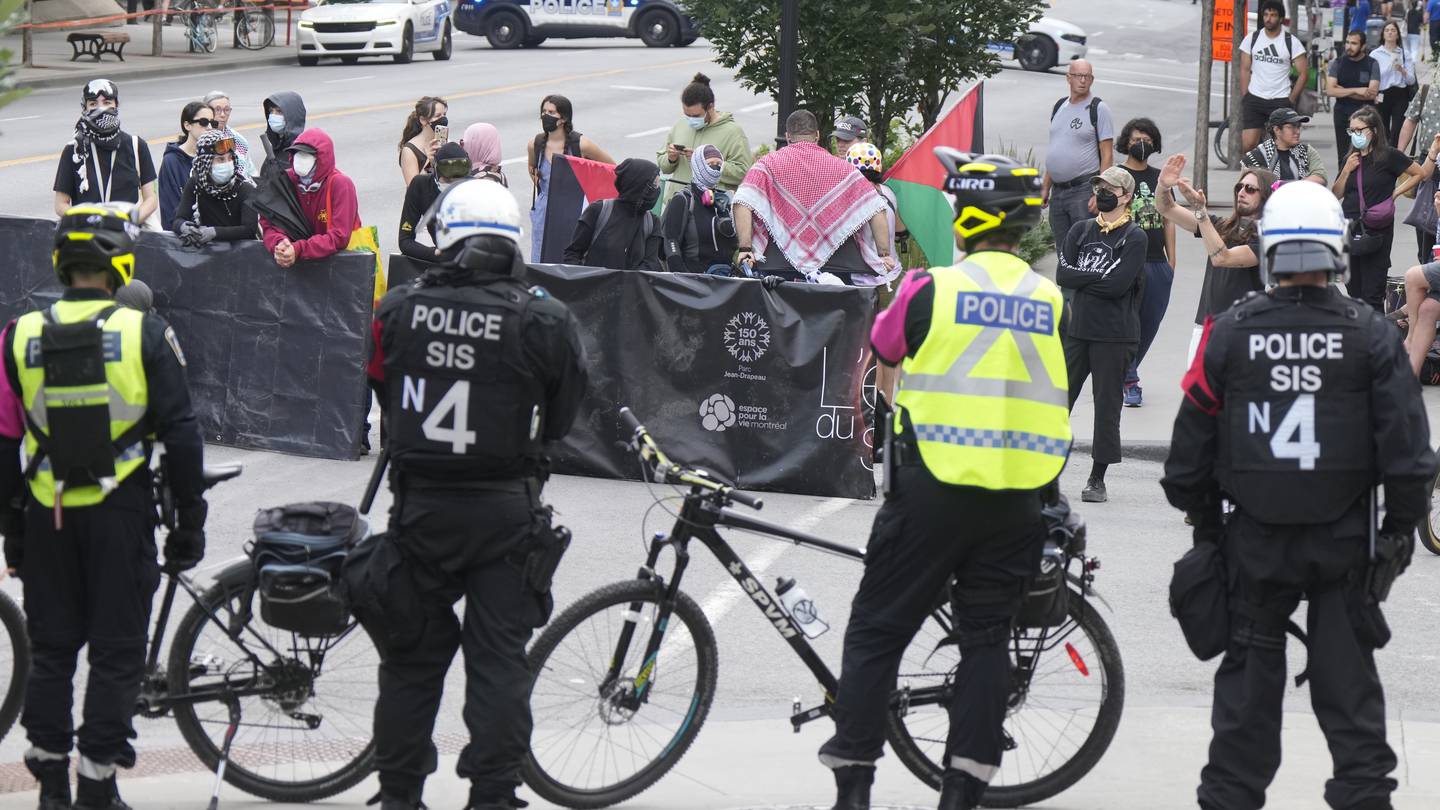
(284, 121)
(703, 124)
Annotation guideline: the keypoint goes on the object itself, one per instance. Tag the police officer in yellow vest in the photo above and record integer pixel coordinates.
(981, 427)
(96, 385)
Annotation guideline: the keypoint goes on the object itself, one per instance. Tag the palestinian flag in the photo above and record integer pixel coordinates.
(574, 183)
(918, 179)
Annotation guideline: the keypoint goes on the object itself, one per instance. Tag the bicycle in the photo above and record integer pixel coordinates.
(254, 27)
(14, 662)
(200, 27)
(617, 657)
(245, 695)
(1222, 140)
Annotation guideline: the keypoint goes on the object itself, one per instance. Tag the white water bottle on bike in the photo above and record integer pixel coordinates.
(801, 608)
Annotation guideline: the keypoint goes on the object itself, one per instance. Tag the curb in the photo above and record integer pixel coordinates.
(183, 65)
(1137, 451)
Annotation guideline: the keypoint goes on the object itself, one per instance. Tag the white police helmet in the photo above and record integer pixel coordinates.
(476, 208)
(1303, 230)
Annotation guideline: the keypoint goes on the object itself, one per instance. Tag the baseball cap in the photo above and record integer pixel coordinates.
(1117, 177)
(1284, 116)
(850, 128)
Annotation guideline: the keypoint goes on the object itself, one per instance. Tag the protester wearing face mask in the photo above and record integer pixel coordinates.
(427, 127)
(698, 226)
(1372, 178)
(482, 145)
(703, 124)
(284, 121)
(1139, 140)
(196, 119)
(213, 204)
(327, 202)
(622, 233)
(452, 166)
(1102, 260)
(103, 163)
(557, 137)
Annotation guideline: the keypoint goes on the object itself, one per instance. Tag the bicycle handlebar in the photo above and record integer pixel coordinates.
(672, 473)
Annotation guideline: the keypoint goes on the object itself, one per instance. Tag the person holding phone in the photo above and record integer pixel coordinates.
(425, 129)
(703, 124)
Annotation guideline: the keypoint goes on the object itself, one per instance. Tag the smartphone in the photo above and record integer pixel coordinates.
(442, 134)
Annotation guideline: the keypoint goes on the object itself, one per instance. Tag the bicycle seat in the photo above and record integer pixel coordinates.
(221, 472)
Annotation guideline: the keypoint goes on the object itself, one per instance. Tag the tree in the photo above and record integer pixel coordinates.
(11, 14)
(883, 58)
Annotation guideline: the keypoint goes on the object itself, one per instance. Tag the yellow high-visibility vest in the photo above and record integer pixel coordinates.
(987, 393)
(125, 390)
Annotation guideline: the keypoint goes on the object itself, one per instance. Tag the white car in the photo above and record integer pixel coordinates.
(351, 29)
(1048, 43)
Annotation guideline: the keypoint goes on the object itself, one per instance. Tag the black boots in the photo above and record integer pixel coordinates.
(54, 778)
(852, 787)
(98, 794)
(490, 799)
(960, 791)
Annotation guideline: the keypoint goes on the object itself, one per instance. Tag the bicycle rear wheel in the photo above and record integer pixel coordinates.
(14, 662)
(254, 30)
(599, 742)
(1056, 731)
(308, 735)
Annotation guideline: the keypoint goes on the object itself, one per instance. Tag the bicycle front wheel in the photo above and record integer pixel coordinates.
(1058, 726)
(14, 662)
(254, 30)
(307, 734)
(599, 741)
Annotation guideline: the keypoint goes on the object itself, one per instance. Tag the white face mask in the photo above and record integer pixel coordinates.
(303, 163)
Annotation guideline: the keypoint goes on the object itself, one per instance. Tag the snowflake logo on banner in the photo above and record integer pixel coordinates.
(717, 413)
(747, 337)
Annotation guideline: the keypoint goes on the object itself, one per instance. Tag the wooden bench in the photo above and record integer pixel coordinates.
(95, 43)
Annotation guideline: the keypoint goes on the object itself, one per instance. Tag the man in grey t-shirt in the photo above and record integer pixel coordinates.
(1078, 151)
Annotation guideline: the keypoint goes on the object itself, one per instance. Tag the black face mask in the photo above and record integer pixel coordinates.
(549, 123)
(1106, 201)
(1141, 150)
(442, 121)
(652, 195)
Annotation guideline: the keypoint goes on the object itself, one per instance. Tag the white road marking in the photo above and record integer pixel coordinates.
(1192, 91)
(647, 133)
(641, 88)
(181, 98)
(350, 79)
(21, 118)
(757, 107)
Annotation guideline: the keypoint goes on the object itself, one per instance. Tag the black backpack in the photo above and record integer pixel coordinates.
(298, 551)
(647, 227)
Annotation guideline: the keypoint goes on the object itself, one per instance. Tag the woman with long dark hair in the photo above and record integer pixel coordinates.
(558, 137)
(425, 129)
(196, 119)
(1232, 269)
(1367, 189)
(1397, 75)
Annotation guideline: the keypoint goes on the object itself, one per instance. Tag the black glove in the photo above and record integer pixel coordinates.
(185, 545)
(771, 282)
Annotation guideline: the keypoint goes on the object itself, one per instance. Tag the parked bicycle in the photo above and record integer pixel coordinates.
(254, 26)
(277, 714)
(14, 662)
(622, 689)
(200, 27)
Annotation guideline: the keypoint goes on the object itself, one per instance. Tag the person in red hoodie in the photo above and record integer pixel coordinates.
(326, 197)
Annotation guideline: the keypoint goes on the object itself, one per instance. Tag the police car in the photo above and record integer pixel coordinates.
(527, 23)
(1048, 43)
(351, 29)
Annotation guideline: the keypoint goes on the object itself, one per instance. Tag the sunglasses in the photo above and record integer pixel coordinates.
(452, 168)
(205, 122)
(1247, 188)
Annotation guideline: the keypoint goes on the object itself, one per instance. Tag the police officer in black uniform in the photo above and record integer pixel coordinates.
(477, 373)
(79, 520)
(1299, 403)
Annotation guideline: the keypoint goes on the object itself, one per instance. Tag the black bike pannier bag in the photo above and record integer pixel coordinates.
(298, 552)
(1047, 603)
(1200, 600)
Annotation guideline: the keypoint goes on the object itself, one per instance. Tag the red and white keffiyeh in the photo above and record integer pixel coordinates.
(808, 202)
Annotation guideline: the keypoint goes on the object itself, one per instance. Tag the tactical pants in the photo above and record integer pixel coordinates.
(1104, 364)
(462, 543)
(1270, 567)
(89, 583)
(924, 533)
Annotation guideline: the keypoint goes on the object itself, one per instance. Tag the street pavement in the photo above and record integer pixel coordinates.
(746, 757)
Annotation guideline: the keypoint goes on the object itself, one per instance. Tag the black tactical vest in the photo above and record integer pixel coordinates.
(464, 403)
(1295, 432)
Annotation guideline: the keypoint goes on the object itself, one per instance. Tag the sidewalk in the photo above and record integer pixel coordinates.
(1145, 431)
(52, 65)
(1154, 762)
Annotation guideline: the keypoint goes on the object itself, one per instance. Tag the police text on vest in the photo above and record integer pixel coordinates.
(1005, 311)
(1292, 346)
(457, 323)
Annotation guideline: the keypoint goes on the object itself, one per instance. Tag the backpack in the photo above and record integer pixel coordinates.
(1094, 109)
(298, 552)
(647, 226)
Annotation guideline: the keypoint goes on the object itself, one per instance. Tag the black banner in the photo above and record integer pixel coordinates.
(275, 357)
(763, 387)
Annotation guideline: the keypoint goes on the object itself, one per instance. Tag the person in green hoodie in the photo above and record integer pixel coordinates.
(703, 124)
